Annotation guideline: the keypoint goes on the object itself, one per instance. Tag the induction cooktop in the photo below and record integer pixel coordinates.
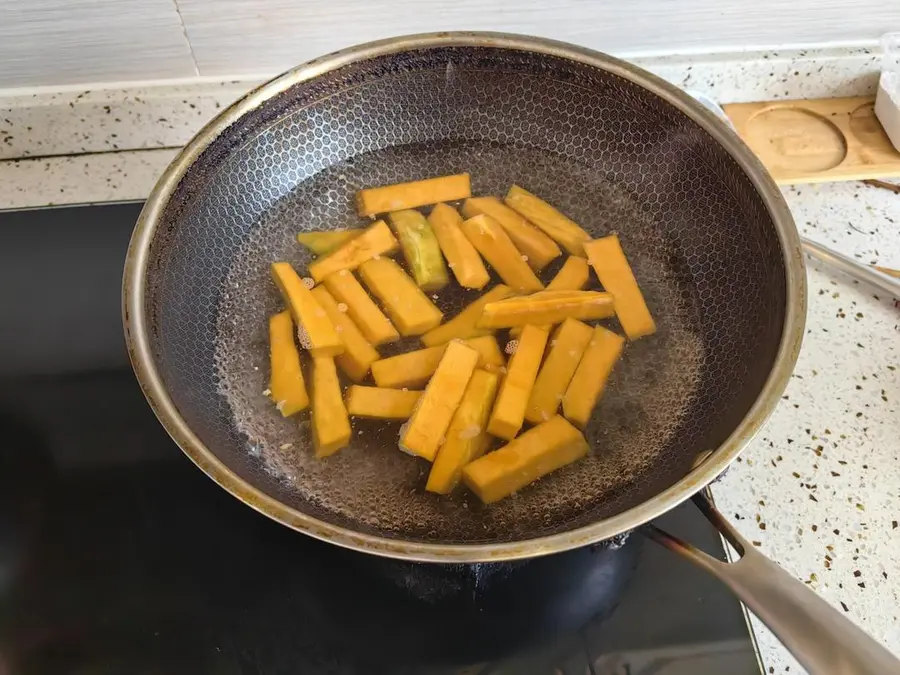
(117, 555)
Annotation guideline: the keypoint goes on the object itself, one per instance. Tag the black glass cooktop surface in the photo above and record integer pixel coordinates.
(117, 555)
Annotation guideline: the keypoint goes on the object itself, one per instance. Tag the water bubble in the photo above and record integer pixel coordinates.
(342, 307)
(525, 258)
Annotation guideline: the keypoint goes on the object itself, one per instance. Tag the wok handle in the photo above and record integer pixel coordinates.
(854, 269)
(823, 640)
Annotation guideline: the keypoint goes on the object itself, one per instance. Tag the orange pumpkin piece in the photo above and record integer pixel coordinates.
(572, 276)
(381, 403)
(375, 326)
(614, 272)
(566, 348)
(490, 357)
(425, 431)
(316, 332)
(508, 415)
(467, 438)
(553, 223)
(415, 368)
(536, 453)
(372, 201)
(492, 242)
(377, 240)
(411, 369)
(462, 258)
(409, 308)
(590, 377)
(286, 385)
(547, 307)
(359, 354)
(540, 249)
(330, 423)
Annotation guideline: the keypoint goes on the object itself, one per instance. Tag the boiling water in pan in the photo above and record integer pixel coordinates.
(372, 482)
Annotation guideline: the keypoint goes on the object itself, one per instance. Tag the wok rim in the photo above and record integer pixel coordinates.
(138, 342)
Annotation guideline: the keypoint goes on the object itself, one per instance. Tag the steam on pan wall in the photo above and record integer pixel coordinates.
(51, 42)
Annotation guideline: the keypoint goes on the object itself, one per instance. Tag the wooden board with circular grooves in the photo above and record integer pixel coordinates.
(816, 140)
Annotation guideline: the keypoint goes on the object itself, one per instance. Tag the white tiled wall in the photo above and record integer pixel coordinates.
(250, 36)
(50, 42)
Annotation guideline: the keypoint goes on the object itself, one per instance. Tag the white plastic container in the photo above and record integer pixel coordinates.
(887, 101)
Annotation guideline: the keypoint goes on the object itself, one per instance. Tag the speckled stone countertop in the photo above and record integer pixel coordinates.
(818, 490)
(91, 145)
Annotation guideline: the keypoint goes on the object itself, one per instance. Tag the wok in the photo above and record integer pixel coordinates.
(615, 148)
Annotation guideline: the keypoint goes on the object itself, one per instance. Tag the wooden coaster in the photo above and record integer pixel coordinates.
(817, 140)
